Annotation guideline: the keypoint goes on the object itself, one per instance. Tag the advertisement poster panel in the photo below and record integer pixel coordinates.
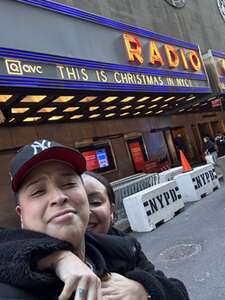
(137, 155)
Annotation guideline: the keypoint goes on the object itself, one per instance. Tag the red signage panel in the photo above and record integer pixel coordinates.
(91, 160)
(137, 155)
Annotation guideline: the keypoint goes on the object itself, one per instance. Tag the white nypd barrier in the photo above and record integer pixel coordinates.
(220, 168)
(197, 183)
(170, 174)
(153, 205)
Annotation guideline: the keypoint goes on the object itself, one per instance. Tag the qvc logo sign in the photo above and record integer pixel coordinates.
(16, 67)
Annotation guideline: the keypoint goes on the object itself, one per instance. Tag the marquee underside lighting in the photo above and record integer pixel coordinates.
(21, 109)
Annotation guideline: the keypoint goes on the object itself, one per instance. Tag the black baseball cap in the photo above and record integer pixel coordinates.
(39, 151)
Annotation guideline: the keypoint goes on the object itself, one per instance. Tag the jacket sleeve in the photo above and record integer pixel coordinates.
(155, 282)
(20, 250)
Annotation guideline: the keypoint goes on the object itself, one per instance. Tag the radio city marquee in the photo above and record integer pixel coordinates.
(160, 57)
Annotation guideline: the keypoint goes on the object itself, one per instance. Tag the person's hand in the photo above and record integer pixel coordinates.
(118, 287)
(75, 274)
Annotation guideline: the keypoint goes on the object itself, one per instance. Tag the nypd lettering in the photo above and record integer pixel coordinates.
(152, 206)
(161, 201)
(128, 189)
(198, 183)
(204, 178)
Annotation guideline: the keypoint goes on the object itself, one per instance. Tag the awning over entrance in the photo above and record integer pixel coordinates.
(21, 109)
(40, 88)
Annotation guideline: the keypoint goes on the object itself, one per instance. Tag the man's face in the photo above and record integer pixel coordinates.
(52, 200)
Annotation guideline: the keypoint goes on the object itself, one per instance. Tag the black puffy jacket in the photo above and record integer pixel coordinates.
(11, 293)
(20, 250)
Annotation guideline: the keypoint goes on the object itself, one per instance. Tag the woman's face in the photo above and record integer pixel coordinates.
(101, 211)
(53, 200)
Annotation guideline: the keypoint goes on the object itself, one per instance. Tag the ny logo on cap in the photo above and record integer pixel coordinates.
(39, 146)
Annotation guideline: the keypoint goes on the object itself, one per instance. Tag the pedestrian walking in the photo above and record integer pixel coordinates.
(209, 150)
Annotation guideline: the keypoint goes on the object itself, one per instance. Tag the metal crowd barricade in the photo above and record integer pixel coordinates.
(127, 179)
(129, 187)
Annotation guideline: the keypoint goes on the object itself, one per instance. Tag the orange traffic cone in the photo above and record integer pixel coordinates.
(185, 164)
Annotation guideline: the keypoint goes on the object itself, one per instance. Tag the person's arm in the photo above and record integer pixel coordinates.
(20, 251)
(155, 282)
(35, 261)
(78, 278)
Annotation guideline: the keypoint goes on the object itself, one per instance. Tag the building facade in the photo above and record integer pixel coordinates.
(200, 21)
(119, 80)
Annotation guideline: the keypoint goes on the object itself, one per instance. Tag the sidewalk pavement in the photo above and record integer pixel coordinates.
(191, 247)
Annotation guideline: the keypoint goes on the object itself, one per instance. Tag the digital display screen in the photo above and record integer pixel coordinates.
(102, 158)
(99, 158)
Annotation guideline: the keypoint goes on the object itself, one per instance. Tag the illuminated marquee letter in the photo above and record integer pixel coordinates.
(172, 56)
(155, 56)
(184, 59)
(133, 48)
(195, 60)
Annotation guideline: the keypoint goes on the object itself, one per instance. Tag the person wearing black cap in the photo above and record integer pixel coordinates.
(46, 180)
(51, 200)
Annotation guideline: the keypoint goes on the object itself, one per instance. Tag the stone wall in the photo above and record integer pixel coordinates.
(199, 21)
